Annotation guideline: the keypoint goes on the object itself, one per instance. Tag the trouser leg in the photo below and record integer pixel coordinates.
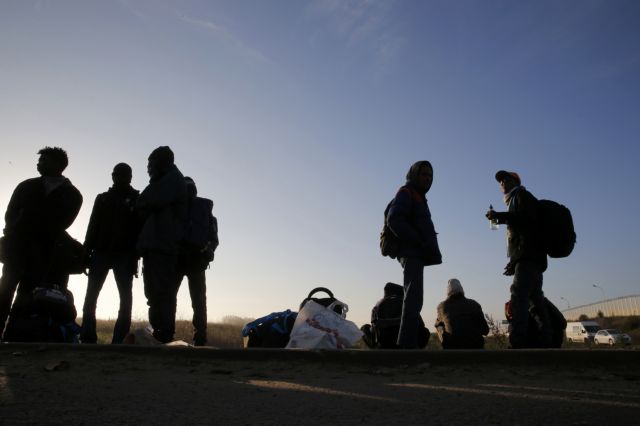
(123, 273)
(160, 288)
(198, 293)
(412, 304)
(526, 293)
(98, 271)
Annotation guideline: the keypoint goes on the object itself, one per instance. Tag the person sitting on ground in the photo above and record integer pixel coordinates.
(382, 333)
(460, 322)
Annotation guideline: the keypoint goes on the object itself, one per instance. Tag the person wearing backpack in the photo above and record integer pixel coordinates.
(197, 250)
(110, 243)
(460, 323)
(527, 258)
(162, 207)
(409, 219)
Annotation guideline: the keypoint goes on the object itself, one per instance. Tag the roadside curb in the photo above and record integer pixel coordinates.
(612, 358)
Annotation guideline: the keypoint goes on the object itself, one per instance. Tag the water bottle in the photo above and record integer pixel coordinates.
(493, 224)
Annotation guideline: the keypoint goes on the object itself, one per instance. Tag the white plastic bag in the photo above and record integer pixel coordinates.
(317, 327)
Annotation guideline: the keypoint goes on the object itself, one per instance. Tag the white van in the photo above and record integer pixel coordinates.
(581, 331)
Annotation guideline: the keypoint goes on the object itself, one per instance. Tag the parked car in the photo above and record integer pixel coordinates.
(581, 331)
(610, 337)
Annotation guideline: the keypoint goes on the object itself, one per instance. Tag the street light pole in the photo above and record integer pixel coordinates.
(597, 286)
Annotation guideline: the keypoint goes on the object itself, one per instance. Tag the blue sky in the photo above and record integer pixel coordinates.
(300, 120)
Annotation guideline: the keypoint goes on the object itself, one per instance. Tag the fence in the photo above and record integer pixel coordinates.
(618, 307)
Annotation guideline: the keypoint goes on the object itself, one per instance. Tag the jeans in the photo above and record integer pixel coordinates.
(412, 303)
(198, 292)
(161, 290)
(527, 297)
(123, 266)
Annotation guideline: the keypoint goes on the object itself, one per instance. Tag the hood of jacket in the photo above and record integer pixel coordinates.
(413, 176)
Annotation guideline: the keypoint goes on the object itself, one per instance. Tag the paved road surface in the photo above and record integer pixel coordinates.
(93, 385)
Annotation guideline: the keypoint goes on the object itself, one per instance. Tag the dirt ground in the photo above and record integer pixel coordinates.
(94, 385)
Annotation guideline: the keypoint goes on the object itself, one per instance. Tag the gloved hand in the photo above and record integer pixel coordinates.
(498, 217)
(509, 270)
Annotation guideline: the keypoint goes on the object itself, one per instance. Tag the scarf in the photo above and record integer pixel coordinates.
(509, 196)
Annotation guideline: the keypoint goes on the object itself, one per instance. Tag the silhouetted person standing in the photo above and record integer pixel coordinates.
(198, 246)
(162, 206)
(111, 244)
(39, 212)
(527, 258)
(409, 219)
(460, 323)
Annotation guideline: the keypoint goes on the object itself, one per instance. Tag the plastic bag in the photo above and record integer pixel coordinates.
(319, 327)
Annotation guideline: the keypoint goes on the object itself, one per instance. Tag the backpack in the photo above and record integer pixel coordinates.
(389, 242)
(557, 227)
(50, 318)
(338, 307)
(385, 320)
(70, 254)
(557, 324)
(201, 232)
(270, 331)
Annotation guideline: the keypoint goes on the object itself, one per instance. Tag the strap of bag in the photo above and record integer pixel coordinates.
(319, 289)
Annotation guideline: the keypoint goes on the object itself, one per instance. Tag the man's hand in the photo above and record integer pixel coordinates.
(498, 217)
(509, 270)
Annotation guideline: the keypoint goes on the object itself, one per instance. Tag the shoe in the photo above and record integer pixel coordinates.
(199, 342)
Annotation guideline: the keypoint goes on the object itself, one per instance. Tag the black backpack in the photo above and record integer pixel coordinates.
(270, 331)
(389, 242)
(385, 320)
(557, 226)
(50, 318)
(324, 301)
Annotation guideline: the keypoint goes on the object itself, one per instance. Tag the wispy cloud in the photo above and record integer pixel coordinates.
(361, 24)
(227, 37)
(126, 4)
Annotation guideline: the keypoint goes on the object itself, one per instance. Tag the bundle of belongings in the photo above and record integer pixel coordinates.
(320, 324)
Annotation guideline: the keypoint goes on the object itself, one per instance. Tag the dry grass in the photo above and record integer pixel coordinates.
(227, 334)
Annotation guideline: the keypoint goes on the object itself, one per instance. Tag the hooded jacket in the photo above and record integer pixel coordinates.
(463, 321)
(162, 206)
(409, 219)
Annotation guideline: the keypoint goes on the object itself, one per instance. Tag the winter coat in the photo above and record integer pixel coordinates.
(163, 208)
(409, 219)
(113, 226)
(34, 215)
(524, 230)
(463, 321)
